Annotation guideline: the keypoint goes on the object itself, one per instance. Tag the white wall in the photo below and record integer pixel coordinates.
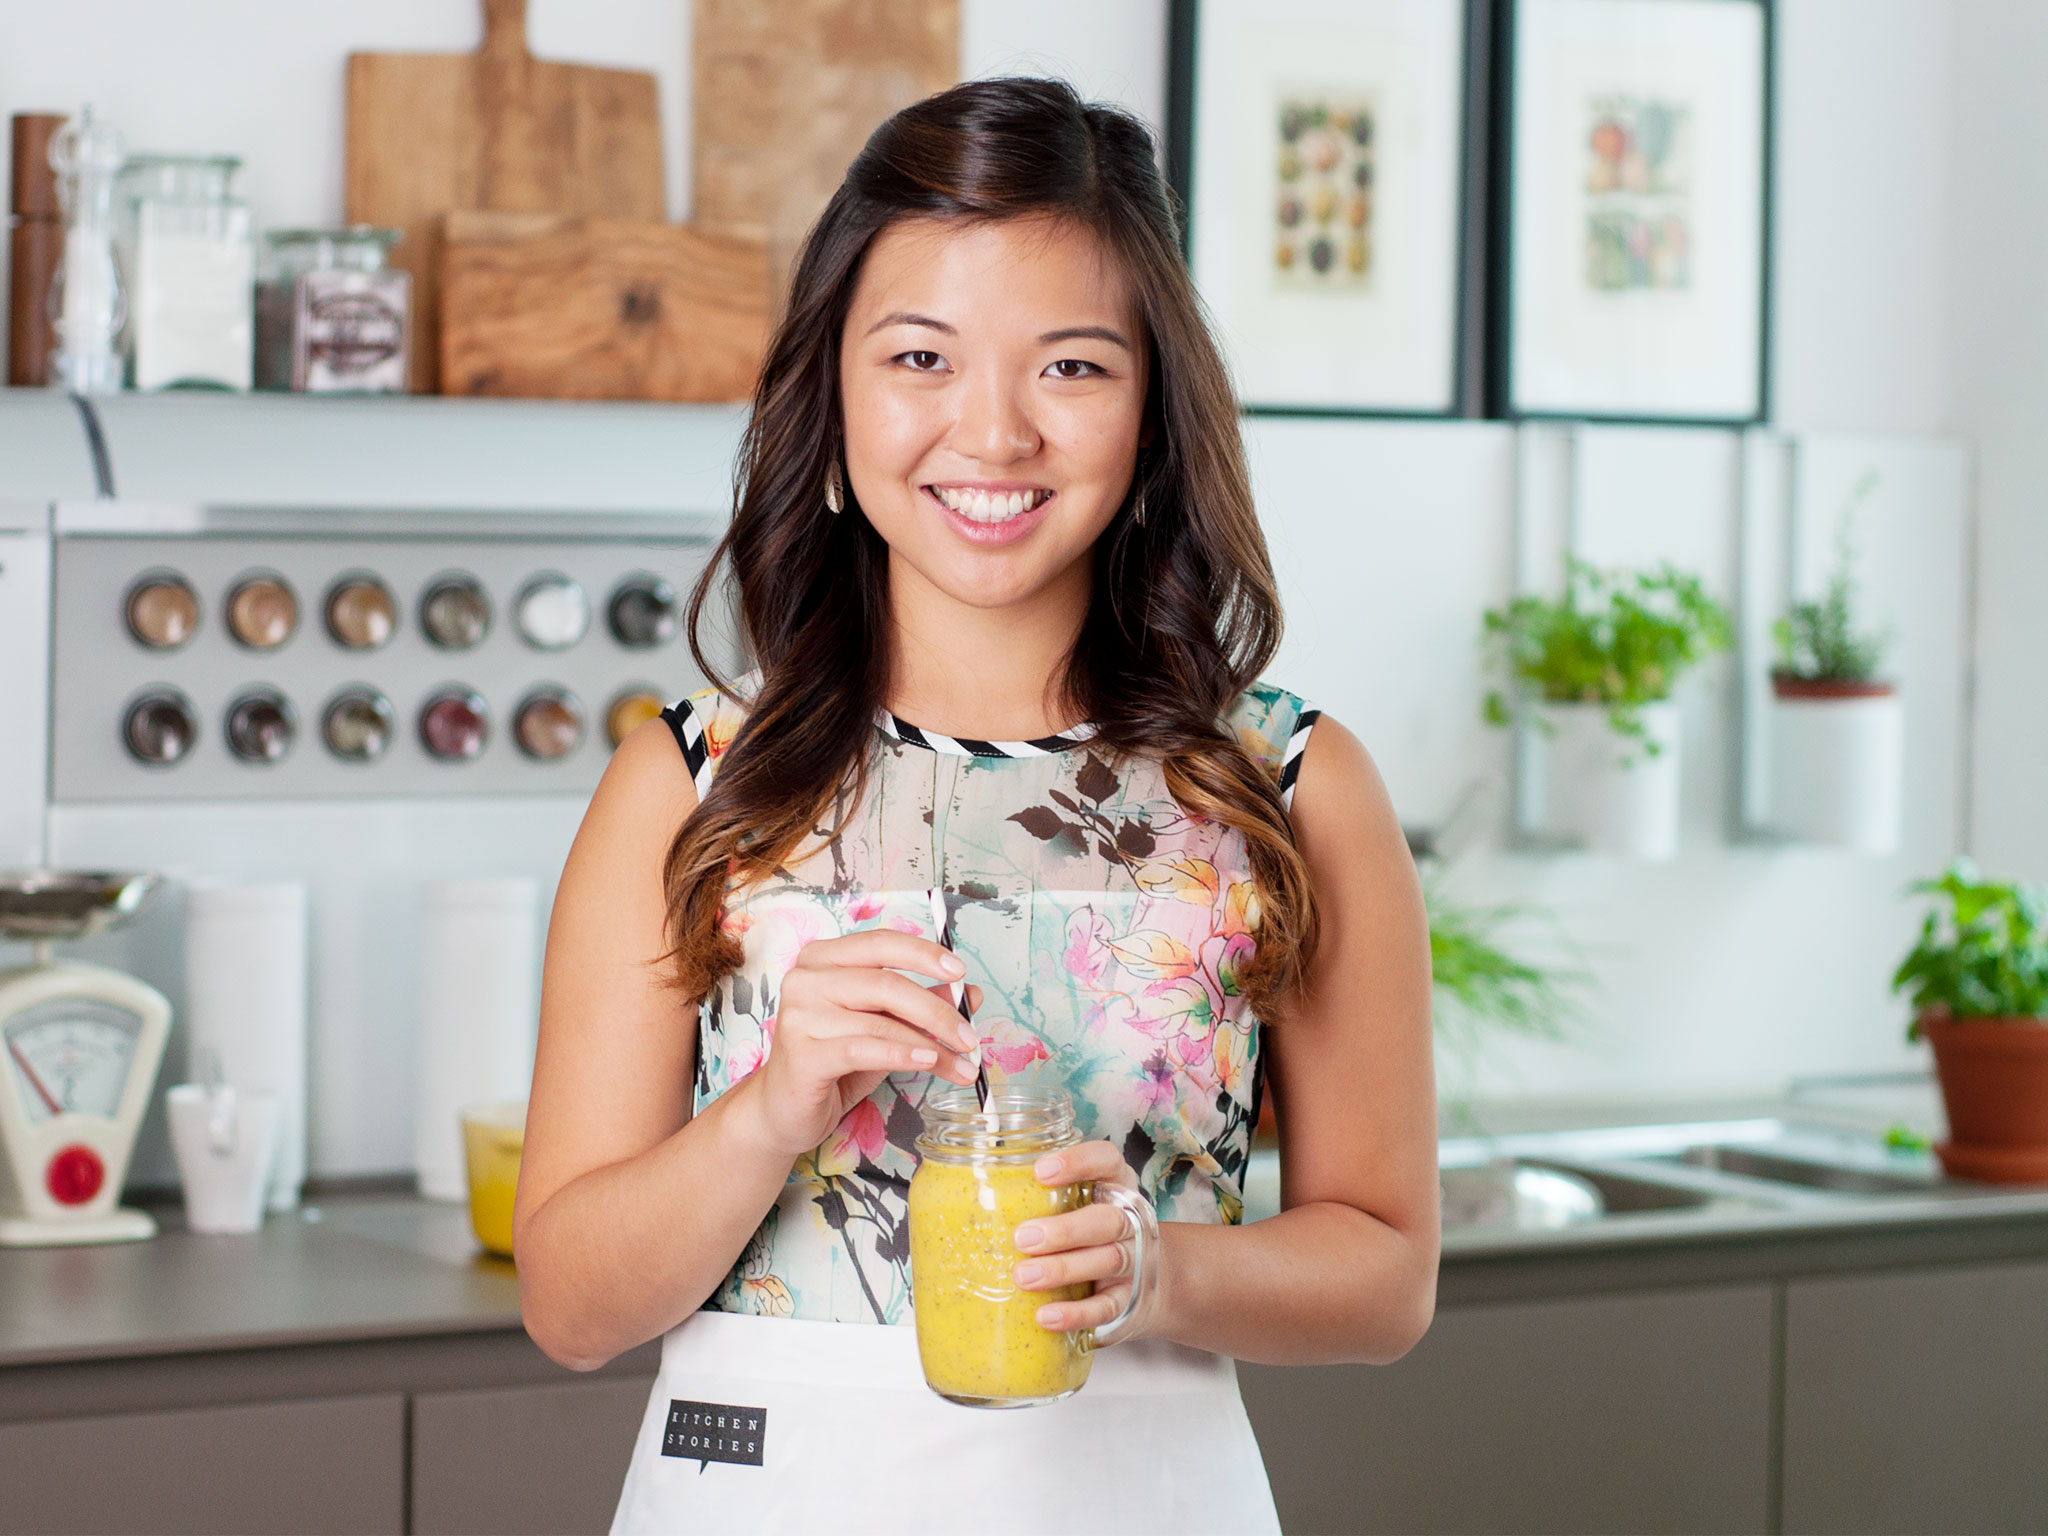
(1904, 270)
(1999, 367)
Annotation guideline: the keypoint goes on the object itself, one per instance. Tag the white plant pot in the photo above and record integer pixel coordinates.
(1838, 769)
(1606, 792)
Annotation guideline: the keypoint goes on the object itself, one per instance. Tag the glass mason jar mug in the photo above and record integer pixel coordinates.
(978, 1334)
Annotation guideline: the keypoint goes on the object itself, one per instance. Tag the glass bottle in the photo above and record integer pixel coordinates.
(978, 1334)
(188, 250)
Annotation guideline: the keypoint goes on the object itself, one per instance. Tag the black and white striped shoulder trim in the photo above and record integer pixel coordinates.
(967, 746)
(1290, 760)
(689, 733)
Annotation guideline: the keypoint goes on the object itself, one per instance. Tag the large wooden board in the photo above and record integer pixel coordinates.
(785, 92)
(499, 130)
(599, 309)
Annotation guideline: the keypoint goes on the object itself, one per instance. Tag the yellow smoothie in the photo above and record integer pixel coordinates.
(977, 1332)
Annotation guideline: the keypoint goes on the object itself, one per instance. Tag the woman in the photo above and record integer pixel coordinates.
(997, 564)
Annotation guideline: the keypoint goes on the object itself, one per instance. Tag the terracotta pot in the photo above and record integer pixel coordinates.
(1994, 1082)
(1790, 685)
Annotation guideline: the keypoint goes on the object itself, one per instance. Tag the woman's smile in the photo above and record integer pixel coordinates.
(990, 512)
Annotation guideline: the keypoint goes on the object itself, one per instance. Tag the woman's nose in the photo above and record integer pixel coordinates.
(995, 426)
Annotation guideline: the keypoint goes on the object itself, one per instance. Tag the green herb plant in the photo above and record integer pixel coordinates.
(1479, 985)
(1819, 641)
(1619, 638)
(1983, 951)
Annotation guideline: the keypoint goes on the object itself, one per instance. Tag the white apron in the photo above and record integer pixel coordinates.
(777, 1425)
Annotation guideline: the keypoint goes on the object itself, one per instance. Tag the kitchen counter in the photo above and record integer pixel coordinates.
(356, 1268)
(368, 1267)
(1846, 1362)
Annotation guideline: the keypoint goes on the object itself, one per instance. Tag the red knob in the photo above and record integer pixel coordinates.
(75, 1175)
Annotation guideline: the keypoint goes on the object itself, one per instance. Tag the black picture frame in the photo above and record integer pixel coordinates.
(1503, 400)
(1470, 369)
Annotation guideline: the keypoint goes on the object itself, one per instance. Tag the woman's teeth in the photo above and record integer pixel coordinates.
(987, 507)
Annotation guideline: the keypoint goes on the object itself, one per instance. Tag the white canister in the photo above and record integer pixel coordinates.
(224, 1141)
(245, 1002)
(1838, 754)
(1607, 792)
(479, 1008)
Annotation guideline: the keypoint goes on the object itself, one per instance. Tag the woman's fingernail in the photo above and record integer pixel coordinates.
(925, 1058)
(953, 965)
(1029, 1236)
(1049, 1167)
(1028, 1275)
(1050, 1317)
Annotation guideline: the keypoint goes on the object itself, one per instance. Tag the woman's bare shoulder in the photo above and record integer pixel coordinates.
(646, 792)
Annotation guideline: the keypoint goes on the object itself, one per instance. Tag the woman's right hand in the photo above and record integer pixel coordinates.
(847, 1021)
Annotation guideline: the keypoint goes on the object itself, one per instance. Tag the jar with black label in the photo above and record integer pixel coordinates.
(331, 317)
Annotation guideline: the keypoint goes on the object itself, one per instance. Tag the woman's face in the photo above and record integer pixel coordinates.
(994, 381)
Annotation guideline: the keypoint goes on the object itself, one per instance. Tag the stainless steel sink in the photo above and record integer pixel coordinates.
(1525, 1196)
(1649, 1178)
(1836, 1178)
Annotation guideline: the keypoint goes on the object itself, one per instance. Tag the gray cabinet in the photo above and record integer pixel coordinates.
(523, 1459)
(1918, 1401)
(333, 1464)
(1643, 1412)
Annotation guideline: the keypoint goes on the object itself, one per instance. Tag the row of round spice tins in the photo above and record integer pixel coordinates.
(551, 612)
(358, 723)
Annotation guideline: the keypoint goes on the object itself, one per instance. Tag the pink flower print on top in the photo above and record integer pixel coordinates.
(746, 1061)
(1014, 1056)
(864, 909)
(1087, 956)
(862, 1131)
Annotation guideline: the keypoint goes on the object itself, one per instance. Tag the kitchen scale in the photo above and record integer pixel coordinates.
(83, 1044)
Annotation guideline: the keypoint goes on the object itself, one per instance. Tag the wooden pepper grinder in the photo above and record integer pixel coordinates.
(35, 247)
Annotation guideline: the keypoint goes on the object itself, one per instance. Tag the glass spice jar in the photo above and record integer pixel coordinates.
(188, 253)
(332, 317)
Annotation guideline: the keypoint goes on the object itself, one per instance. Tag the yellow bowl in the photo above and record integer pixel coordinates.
(492, 1135)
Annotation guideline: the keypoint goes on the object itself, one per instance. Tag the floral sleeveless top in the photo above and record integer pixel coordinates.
(1106, 929)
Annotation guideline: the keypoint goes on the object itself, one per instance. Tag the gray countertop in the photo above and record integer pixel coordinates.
(368, 1267)
(343, 1269)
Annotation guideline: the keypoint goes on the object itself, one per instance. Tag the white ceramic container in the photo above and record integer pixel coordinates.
(1605, 792)
(1838, 765)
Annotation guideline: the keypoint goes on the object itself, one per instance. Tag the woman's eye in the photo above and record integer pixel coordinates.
(1072, 368)
(923, 362)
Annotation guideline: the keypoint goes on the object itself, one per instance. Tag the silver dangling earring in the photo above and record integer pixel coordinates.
(835, 496)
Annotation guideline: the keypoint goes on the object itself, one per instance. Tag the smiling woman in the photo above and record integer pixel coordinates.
(997, 564)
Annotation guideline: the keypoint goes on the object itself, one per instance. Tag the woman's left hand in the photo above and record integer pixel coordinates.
(1088, 1244)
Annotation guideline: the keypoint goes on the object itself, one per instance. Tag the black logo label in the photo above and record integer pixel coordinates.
(708, 1432)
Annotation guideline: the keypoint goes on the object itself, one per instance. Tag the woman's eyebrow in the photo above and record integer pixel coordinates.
(1070, 333)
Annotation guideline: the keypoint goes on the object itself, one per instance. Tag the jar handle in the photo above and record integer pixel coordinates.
(1142, 1224)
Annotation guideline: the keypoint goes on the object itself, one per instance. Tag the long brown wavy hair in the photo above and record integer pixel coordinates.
(1184, 613)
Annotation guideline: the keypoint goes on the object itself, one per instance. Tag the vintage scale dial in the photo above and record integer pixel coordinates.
(82, 1045)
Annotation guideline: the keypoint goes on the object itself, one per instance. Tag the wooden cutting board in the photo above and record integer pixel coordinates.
(785, 92)
(543, 307)
(497, 129)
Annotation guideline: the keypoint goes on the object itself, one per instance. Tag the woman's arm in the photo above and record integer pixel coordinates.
(1347, 1270)
(630, 1212)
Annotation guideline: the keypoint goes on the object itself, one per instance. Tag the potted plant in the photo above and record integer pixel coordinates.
(1838, 731)
(1978, 983)
(1595, 670)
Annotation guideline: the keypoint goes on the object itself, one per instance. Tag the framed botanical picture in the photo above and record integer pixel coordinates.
(1320, 148)
(1631, 233)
